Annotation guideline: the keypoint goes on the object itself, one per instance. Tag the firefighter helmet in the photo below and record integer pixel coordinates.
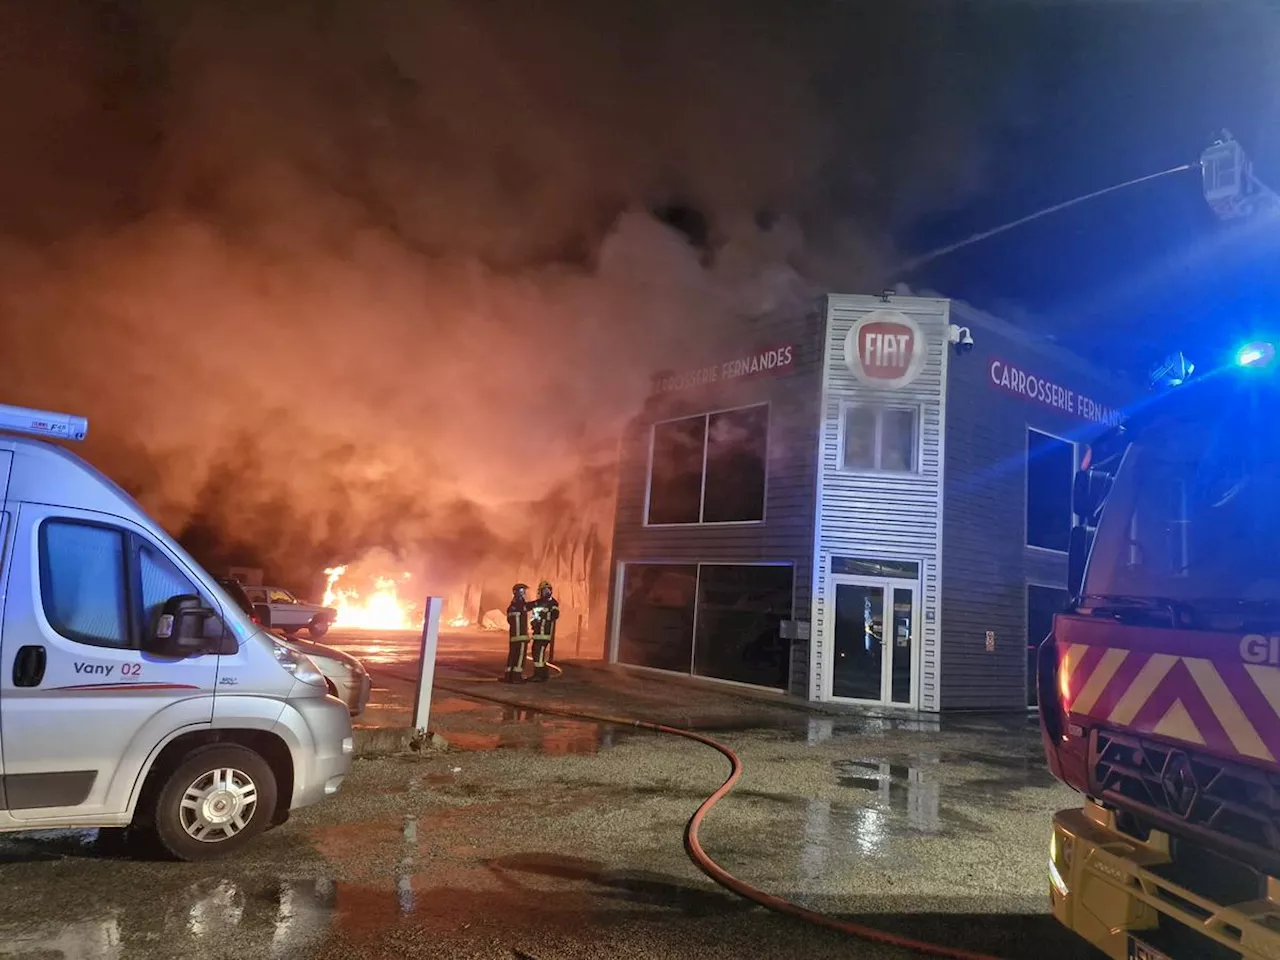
(519, 586)
(545, 585)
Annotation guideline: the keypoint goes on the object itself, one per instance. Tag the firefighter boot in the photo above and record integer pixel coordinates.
(541, 672)
(515, 662)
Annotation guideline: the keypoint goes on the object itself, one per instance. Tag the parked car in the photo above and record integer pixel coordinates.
(348, 679)
(346, 676)
(290, 614)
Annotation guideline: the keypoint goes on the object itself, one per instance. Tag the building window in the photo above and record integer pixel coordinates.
(879, 438)
(655, 627)
(710, 468)
(1051, 468)
(861, 567)
(711, 620)
(736, 630)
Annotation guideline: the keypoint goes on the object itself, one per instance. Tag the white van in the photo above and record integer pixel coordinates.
(133, 691)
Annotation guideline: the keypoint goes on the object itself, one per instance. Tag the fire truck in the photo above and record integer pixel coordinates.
(1159, 687)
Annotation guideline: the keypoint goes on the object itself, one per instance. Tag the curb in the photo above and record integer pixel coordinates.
(396, 741)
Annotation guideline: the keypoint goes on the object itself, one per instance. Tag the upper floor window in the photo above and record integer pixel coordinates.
(710, 468)
(1051, 471)
(879, 438)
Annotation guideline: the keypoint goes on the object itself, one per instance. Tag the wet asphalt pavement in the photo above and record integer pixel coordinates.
(541, 837)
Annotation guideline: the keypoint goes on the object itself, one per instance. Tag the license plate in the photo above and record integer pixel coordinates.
(1140, 951)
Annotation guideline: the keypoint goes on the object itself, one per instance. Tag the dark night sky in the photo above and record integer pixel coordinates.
(282, 254)
(1126, 89)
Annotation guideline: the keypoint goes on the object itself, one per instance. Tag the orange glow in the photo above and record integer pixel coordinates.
(380, 609)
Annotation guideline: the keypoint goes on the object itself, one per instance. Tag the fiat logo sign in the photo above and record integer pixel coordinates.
(885, 349)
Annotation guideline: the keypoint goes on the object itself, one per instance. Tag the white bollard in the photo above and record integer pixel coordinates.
(427, 663)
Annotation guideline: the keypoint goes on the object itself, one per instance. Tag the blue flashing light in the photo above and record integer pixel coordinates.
(1256, 354)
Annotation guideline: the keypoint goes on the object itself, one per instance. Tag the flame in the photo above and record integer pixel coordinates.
(459, 621)
(381, 609)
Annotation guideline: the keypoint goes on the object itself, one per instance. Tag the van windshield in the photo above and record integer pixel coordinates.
(1194, 514)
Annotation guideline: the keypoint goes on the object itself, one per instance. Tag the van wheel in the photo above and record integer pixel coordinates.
(215, 802)
(317, 628)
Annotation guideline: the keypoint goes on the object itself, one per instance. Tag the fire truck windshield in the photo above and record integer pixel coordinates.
(1194, 513)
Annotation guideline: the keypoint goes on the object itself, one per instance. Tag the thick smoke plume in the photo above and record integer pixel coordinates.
(334, 276)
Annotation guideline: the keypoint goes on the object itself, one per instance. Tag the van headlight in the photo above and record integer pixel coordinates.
(297, 663)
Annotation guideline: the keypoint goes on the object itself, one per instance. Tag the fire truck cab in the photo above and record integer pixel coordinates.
(1160, 684)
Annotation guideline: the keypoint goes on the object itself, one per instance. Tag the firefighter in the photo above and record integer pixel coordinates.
(546, 611)
(518, 635)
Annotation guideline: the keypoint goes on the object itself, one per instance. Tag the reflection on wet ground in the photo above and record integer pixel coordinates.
(198, 918)
(519, 729)
(545, 837)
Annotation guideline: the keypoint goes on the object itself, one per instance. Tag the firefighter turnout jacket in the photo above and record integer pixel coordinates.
(543, 617)
(518, 619)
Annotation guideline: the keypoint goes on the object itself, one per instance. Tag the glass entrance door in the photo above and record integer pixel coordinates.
(874, 631)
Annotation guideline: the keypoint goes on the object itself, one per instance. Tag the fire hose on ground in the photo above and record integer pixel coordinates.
(693, 846)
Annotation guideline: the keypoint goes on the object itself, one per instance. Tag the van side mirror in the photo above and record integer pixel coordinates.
(1077, 557)
(186, 627)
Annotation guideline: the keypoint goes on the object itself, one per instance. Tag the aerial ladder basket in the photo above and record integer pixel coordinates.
(1230, 186)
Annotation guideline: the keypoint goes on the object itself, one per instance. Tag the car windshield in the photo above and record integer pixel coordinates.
(1193, 514)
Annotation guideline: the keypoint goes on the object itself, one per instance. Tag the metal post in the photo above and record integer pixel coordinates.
(427, 663)
(577, 646)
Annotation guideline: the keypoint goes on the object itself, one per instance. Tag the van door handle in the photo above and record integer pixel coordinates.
(28, 667)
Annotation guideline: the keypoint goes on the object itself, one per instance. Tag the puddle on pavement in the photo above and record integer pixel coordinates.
(61, 844)
(898, 788)
(1014, 769)
(292, 917)
(513, 728)
(415, 783)
(272, 918)
(912, 793)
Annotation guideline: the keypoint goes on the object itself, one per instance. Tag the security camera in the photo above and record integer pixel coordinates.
(961, 338)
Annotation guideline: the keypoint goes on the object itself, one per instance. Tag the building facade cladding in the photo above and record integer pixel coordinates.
(784, 536)
(881, 515)
(899, 503)
(1009, 394)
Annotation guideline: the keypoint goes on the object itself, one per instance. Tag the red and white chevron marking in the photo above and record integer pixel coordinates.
(1225, 705)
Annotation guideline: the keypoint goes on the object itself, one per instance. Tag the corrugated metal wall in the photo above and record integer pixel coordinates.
(889, 516)
(786, 535)
(986, 562)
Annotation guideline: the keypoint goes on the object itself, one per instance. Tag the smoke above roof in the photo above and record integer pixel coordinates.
(332, 276)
